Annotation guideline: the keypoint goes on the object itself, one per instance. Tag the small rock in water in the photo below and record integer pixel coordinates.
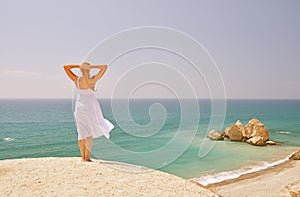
(270, 142)
(215, 135)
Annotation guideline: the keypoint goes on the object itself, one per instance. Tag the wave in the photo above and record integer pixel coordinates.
(283, 132)
(223, 176)
(8, 139)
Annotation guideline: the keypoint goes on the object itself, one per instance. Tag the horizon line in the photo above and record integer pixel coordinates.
(64, 98)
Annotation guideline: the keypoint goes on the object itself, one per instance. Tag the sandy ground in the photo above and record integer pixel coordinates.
(281, 180)
(72, 177)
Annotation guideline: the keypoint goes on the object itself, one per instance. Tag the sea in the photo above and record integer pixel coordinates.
(163, 134)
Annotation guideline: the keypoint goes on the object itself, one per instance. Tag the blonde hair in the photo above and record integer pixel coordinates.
(84, 70)
(86, 63)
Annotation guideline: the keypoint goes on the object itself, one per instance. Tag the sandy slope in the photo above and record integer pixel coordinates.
(71, 177)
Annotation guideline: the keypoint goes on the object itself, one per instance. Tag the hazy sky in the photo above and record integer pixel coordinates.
(255, 44)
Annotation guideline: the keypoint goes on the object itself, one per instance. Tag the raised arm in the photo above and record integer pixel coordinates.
(69, 72)
(101, 72)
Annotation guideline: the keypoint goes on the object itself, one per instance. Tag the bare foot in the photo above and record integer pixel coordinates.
(88, 160)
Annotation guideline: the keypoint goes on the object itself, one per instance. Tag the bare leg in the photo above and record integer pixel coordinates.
(88, 147)
(81, 148)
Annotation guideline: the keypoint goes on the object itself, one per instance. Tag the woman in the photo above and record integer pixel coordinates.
(90, 122)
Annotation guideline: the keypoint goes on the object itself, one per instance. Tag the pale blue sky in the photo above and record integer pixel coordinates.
(255, 44)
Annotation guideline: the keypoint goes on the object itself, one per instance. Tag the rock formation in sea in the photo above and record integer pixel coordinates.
(254, 133)
(235, 132)
(215, 135)
(256, 140)
(257, 130)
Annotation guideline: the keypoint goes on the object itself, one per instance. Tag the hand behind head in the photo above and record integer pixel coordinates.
(85, 66)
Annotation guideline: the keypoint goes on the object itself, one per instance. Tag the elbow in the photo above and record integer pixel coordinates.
(67, 67)
(103, 67)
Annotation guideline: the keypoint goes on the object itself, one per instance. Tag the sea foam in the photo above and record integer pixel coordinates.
(223, 176)
(8, 139)
(283, 132)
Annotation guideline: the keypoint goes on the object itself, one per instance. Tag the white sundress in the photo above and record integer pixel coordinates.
(89, 117)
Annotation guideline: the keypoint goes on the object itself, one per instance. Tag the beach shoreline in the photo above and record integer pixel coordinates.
(280, 180)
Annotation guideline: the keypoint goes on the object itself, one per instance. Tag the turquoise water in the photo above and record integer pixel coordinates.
(44, 128)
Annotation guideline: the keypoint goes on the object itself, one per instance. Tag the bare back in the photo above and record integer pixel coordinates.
(85, 83)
